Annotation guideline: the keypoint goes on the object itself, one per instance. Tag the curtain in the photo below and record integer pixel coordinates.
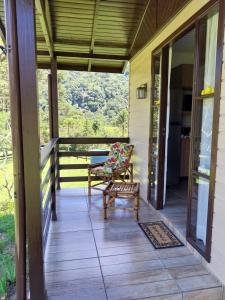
(210, 55)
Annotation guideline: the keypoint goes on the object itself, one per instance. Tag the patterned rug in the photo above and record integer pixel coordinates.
(160, 235)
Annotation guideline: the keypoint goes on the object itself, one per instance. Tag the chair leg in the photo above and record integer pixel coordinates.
(136, 207)
(89, 182)
(131, 173)
(105, 205)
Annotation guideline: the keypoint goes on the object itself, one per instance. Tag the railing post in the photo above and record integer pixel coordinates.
(53, 185)
(54, 111)
(21, 41)
(52, 159)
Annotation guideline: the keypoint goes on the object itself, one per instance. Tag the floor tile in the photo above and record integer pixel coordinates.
(197, 282)
(188, 271)
(71, 264)
(132, 267)
(126, 249)
(142, 290)
(73, 286)
(84, 294)
(166, 297)
(62, 276)
(206, 294)
(137, 278)
(188, 260)
(128, 258)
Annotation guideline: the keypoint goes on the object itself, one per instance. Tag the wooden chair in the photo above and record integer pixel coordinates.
(115, 168)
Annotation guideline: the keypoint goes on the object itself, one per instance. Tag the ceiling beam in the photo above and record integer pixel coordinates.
(2, 32)
(139, 25)
(94, 26)
(86, 55)
(44, 16)
(66, 42)
(75, 67)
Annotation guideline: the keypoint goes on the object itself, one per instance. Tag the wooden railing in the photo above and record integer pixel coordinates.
(84, 153)
(51, 155)
(48, 185)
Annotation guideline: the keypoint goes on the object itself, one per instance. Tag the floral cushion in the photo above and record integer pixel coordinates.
(119, 157)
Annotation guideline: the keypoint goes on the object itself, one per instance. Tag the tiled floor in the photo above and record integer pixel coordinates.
(88, 258)
(175, 209)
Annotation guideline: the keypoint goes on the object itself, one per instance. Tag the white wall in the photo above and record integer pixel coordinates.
(217, 264)
(140, 73)
(139, 121)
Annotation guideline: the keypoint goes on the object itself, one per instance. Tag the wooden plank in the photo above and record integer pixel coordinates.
(46, 220)
(93, 140)
(85, 55)
(69, 42)
(77, 179)
(46, 179)
(46, 151)
(75, 67)
(139, 25)
(23, 86)
(45, 25)
(94, 26)
(83, 178)
(73, 166)
(82, 153)
(2, 32)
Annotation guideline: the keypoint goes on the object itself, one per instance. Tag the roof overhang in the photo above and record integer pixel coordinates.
(96, 35)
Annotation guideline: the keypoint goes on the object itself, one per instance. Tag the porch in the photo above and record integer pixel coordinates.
(88, 257)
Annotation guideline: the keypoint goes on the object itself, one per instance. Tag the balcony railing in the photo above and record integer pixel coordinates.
(51, 167)
(48, 185)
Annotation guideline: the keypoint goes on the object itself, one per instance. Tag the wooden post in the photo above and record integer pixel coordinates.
(19, 191)
(54, 152)
(54, 111)
(26, 145)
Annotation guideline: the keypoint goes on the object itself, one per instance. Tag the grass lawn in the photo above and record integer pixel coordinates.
(7, 269)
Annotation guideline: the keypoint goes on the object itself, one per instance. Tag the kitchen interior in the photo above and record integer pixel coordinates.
(179, 125)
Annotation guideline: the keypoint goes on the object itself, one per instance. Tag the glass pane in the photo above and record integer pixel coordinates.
(155, 110)
(199, 211)
(207, 52)
(203, 135)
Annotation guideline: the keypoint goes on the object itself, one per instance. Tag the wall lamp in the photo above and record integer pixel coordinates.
(142, 91)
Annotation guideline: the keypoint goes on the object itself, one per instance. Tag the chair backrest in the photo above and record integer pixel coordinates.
(120, 154)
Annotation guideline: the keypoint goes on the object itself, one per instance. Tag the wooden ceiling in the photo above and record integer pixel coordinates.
(96, 35)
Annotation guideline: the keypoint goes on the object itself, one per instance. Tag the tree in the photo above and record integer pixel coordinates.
(122, 120)
(95, 126)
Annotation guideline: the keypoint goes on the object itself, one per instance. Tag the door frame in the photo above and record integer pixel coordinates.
(164, 53)
(219, 59)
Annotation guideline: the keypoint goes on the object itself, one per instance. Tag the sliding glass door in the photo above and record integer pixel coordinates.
(202, 132)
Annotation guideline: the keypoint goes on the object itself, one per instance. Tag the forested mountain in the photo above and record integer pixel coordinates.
(90, 104)
(107, 93)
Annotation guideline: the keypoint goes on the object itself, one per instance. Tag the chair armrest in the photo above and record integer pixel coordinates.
(100, 164)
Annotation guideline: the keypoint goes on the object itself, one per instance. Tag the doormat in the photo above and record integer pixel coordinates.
(160, 235)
